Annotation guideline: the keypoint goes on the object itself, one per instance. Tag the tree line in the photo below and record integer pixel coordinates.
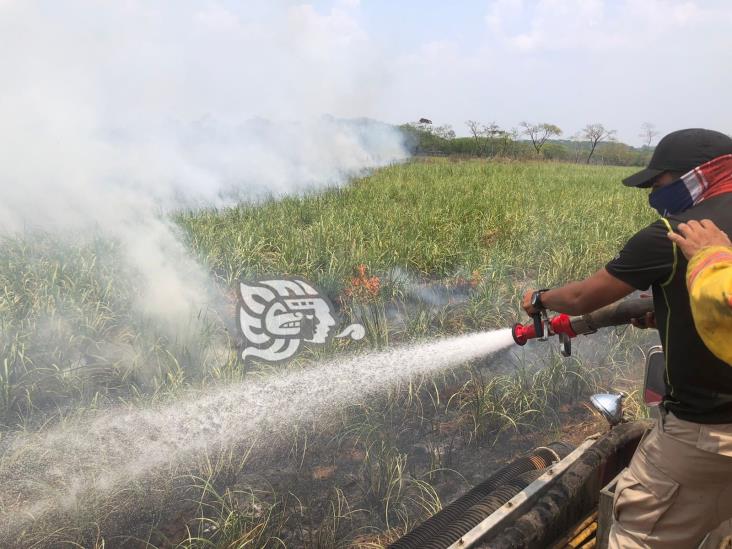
(594, 144)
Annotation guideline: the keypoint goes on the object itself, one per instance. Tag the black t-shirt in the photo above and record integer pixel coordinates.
(699, 384)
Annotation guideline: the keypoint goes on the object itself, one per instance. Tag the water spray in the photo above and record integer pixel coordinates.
(567, 327)
(72, 473)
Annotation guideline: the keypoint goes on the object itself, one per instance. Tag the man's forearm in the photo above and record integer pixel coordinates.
(566, 299)
(585, 296)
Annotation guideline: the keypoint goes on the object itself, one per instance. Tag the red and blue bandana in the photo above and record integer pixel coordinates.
(710, 179)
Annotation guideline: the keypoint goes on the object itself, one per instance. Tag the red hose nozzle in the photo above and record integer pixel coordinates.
(560, 324)
(522, 333)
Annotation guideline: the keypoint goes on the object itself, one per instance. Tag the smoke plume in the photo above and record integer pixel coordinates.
(113, 114)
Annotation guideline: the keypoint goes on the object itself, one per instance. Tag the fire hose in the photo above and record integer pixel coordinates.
(568, 327)
(446, 526)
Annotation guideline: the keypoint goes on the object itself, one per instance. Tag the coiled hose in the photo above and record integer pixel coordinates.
(444, 528)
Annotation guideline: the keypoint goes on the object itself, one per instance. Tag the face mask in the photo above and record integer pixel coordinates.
(672, 199)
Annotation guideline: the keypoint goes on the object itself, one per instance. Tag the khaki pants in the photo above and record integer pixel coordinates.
(678, 486)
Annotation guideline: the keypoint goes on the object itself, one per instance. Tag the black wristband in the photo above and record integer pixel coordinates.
(536, 299)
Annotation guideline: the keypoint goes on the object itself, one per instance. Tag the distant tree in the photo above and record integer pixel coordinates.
(648, 133)
(485, 135)
(493, 132)
(474, 127)
(476, 130)
(539, 133)
(594, 133)
(419, 138)
(423, 124)
(507, 137)
(445, 131)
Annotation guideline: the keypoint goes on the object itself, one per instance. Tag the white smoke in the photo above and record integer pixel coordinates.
(112, 114)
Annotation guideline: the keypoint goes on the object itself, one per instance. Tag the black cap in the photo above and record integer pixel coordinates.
(680, 152)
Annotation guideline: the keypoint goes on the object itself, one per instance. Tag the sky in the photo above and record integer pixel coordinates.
(566, 62)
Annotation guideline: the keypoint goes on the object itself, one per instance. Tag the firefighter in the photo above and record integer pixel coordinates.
(679, 483)
(709, 280)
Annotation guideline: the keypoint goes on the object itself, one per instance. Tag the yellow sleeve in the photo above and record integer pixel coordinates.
(709, 279)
